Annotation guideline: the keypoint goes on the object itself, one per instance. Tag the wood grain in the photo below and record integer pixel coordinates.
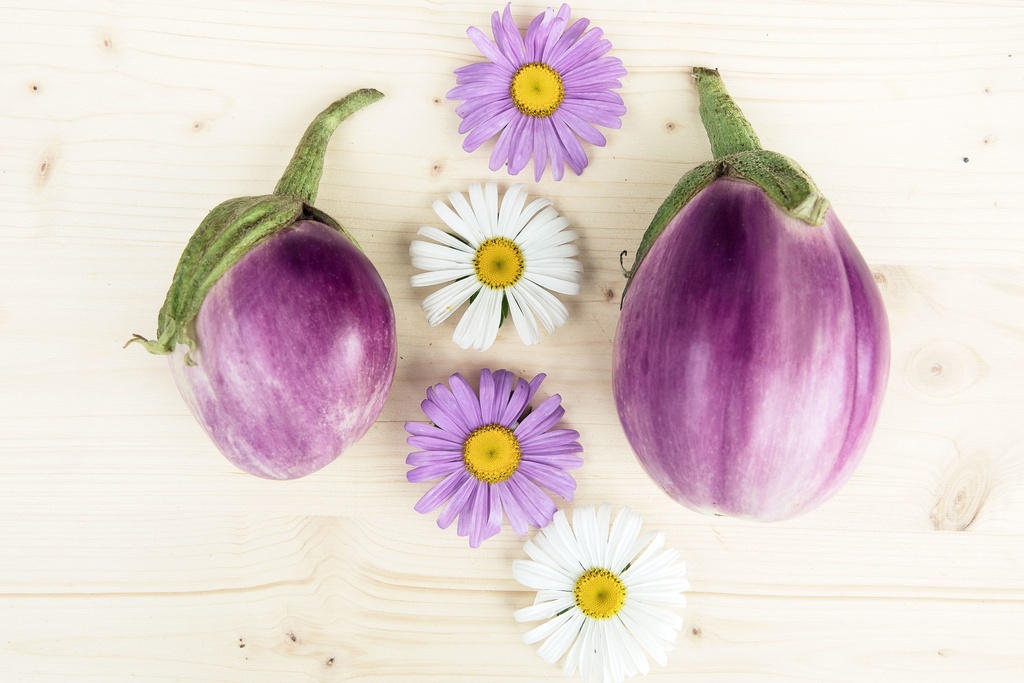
(131, 550)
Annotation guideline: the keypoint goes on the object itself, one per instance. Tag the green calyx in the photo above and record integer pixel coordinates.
(737, 154)
(236, 226)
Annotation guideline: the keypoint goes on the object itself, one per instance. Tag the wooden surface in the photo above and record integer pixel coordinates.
(131, 550)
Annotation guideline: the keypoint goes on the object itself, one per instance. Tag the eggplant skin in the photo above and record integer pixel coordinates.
(296, 353)
(751, 357)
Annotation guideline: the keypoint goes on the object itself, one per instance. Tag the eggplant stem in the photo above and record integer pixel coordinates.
(301, 179)
(726, 126)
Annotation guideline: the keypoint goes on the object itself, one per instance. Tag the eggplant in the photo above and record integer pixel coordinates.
(280, 331)
(752, 351)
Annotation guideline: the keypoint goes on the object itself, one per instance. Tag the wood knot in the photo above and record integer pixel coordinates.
(437, 168)
(944, 368)
(963, 497)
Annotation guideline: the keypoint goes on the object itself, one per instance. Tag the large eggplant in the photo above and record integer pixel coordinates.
(752, 352)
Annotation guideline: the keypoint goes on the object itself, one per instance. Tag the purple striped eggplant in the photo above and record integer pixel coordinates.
(752, 352)
(280, 331)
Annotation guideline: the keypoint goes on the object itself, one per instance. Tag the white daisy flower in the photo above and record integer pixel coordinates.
(603, 594)
(506, 259)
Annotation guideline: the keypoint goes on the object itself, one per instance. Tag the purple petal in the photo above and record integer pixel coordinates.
(579, 117)
(507, 36)
(581, 127)
(555, 30)
(556, 438)
(490, 50)
(563, 461)
(555, 156)
(574, 154)
(503, 382)
(442, 419)
(585, 49)
(418, 429)
(488, 398)
(458, 500)
(571, 34)
(494, 513)
(540, 149)
(441, 492)
(536, 504)
(487, 90)
(535, 35)
(520, 398)
(478, 71)
(469, 404)
(544, 417)
(520, 155)
(432, 457)
(430, 443)
(506, 141)
(445, 403)
(434, 471)
(553, 479)
(513, 510)
(597, 71)
(484, 113)
(606, 99)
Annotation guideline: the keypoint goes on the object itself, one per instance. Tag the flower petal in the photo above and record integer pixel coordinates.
(478, 327)
(442, 303)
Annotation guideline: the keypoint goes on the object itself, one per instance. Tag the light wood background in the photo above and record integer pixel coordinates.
(130, 550)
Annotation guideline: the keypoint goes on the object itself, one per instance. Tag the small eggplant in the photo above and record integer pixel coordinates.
(752, 352)
(280, 331)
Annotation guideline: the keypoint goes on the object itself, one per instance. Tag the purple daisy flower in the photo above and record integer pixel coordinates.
(493, 454)
(540, 95)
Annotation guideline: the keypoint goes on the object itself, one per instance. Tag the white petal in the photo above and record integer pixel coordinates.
(634, 661)
(457, 223)
(541, 632)
(427, 263)
(479, 199)
(555, 284)
(511, 208)
(540, 576)
(559, 533)
(561, 255)
(563, 637)
(652, 645)
(564, 553)
(479, 326)
(543, 610)
(468, 216)
(550, 311)
(441, 252)
(436, 277)
(550, 241)
(624, 533)
(585, 527)
(544, 226)
(526, 324)
(443, 237)
(524, 217)
(442, 303)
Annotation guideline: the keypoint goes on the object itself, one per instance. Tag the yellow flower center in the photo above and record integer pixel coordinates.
(498, 262)
(537, 90)
(599, 593)
(491, 453)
